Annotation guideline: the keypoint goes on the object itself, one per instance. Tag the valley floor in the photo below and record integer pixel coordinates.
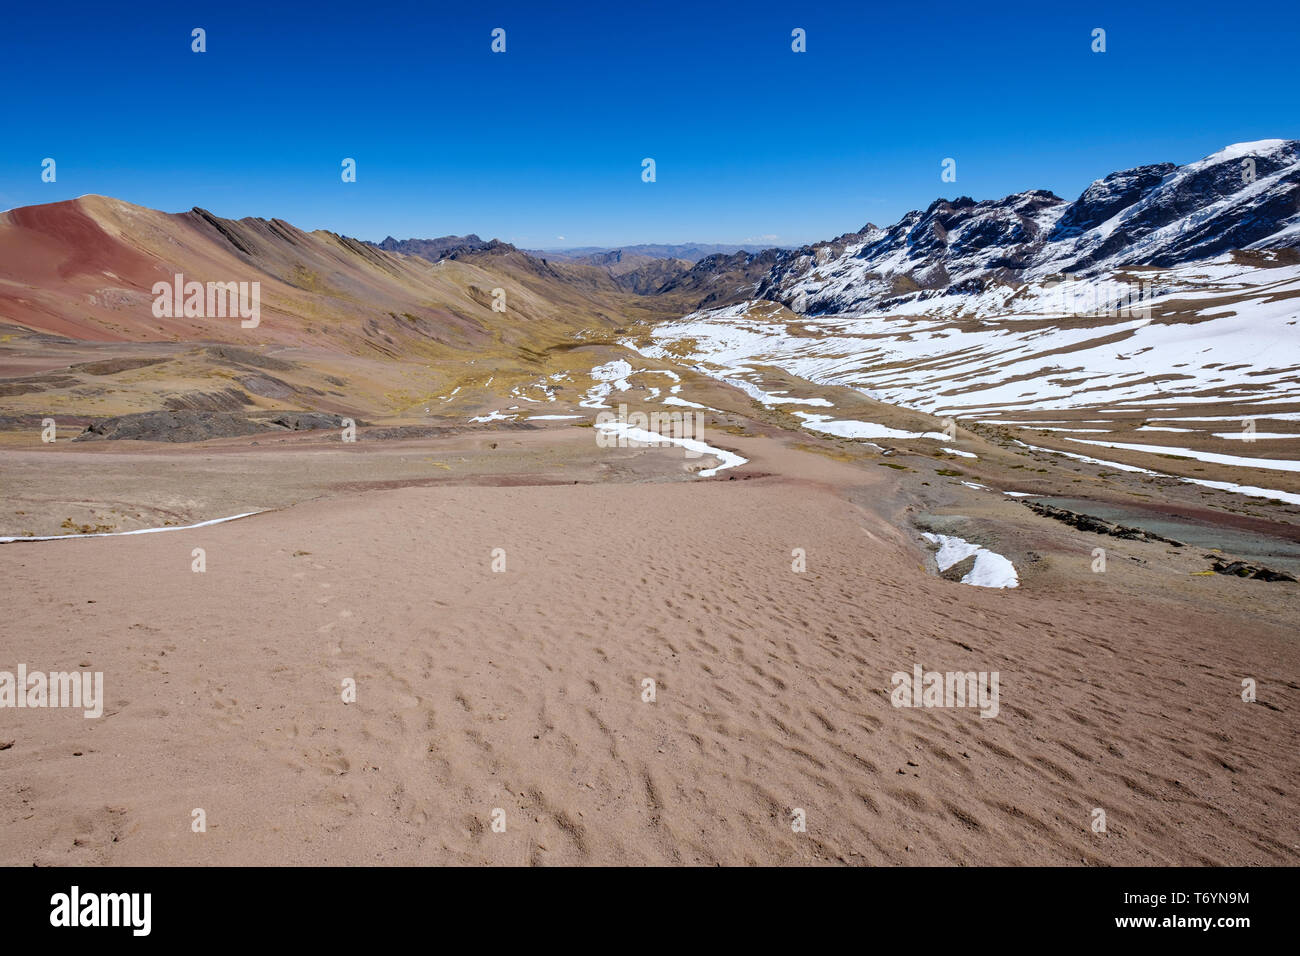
(522, 690)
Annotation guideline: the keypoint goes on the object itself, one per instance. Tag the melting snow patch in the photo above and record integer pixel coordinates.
(1246, 413)
(964, 454)
(1250, 491)
(674, 400)
(608, 377)
(1272, 464)
(726, 459)
(991, 570)
(1250, 436)
(615, 371)
(847, 428)
(594, 396)
(1093, 461)
(496, 416)
(116, 534)
(775, 398)
(933, 364)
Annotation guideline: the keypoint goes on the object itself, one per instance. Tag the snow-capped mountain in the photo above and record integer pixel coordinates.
(1246, 196)
(957, 311)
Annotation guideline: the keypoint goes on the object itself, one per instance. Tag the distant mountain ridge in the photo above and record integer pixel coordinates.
(1246, 196)
(335, 313)
(644, 269)
(444, 247)
(690, 251)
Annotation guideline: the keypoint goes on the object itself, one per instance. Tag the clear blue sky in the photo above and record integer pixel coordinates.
(753, 143)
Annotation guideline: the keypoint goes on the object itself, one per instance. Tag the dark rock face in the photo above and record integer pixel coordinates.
(1106, 197)
(1097, 525)
(1213, 205)
(952, 242)
(723, 278)
(959, 570)
(193, 425)
(171, 426)
(1241, 569)
(310, 421)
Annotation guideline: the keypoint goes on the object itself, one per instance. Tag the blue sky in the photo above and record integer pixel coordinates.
(753, 143)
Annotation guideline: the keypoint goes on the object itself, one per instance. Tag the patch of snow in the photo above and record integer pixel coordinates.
(991, 570)
(1272, 464)
(774, 398)
(848, 428)
(495, 416)
(1250, 491)
(1246, 436)
(725, 458)
(116, 534)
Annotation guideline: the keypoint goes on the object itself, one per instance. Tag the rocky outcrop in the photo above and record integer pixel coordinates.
(171, 426)
(309, 421)
(1241, 569)
(193, 425)
(1096, 525)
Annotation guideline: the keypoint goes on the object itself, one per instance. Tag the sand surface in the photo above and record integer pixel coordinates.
(522, 690)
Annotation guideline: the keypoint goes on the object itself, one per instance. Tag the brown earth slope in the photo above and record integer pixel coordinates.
(345, 327)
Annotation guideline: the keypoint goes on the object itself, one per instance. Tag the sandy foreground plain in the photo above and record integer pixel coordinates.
(522, 690)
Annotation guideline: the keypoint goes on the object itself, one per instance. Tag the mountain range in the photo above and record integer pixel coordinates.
(377, 329)
(346, 327)
(644, 269)
(1246, 196)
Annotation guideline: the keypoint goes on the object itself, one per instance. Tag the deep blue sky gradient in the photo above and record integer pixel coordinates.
(754, 144)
